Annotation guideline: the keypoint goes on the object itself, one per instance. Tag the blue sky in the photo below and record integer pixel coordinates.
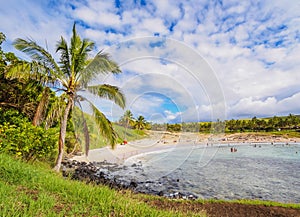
(182, 60)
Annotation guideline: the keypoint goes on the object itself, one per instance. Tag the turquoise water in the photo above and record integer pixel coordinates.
(267, 172)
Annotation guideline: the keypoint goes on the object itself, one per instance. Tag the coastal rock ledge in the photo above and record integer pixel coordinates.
(112, 175)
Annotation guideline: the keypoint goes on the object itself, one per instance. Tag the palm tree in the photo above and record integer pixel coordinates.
(71, 76)
(127, 119)
(20, 94)
(26, 72)
(291, 121)
(140, 123)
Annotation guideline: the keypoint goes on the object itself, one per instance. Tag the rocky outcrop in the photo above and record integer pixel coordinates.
(123, 177)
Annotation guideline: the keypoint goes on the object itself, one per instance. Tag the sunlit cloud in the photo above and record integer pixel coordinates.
(253, 49)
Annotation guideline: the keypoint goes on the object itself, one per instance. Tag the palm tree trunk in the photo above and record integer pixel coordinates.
(41, 107)
(62, 135)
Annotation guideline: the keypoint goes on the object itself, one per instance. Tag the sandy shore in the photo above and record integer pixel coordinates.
(162, 140)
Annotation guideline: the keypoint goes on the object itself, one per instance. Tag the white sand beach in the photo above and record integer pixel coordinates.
(158, 140)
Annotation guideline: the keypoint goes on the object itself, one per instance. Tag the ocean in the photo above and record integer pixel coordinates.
(254, 171)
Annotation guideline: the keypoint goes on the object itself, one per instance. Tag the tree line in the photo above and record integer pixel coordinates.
(290, 122)
(128, 121)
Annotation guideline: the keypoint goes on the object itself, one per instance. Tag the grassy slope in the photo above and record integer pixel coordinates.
(96, 140)
(29, 190)
(123, 133)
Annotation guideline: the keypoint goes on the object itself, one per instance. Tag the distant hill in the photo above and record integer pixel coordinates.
(267, 118)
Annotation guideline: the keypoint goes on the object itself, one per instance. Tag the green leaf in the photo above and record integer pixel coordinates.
(109, 92)
(105, 126)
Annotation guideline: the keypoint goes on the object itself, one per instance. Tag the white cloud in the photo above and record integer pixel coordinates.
(171, 116)
(27, 19)
(98, 12)
(155, 25)
(167, 8)
(267, 107)
(253, 48)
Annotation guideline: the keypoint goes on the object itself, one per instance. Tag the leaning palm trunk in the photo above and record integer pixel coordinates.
(62, 135)
(40, 110)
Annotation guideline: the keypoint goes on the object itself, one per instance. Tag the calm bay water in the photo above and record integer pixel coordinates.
(267, 172)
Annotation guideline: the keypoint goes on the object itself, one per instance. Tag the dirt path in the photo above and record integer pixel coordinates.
(226, 209)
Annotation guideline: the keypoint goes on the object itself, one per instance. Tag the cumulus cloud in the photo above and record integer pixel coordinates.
(249, 49)
(266, 107)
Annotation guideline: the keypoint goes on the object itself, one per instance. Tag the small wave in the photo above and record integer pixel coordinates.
(137, 158)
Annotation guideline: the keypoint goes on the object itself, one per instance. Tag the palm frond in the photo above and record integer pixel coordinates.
(74, 48)
(36, 53)
(102, 63)
(62, 47)
(82, 55)
(20, 70)
(55, 111)
(25, 71)
(86, 136)
(109, 92)
(105, 126)
(85, 129)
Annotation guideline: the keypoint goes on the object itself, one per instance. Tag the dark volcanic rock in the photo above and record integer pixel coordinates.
(123, 177)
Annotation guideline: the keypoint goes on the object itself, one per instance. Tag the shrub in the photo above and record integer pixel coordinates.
(20, 138)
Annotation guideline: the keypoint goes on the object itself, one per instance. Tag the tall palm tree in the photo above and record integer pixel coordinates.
(71, 76)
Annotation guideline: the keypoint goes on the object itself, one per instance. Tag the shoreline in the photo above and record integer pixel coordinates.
(160, 140)
(168, 187)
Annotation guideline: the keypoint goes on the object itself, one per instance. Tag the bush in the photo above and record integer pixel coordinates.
(20, 138)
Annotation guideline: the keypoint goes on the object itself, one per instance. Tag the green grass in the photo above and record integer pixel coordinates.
(129, 134)
(31, 190)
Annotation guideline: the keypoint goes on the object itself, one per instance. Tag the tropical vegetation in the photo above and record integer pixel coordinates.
(18, 105)
(140, 123)
(71, 76)
(128, 121)
(20, 138)
(96, 141)
(272, 124)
